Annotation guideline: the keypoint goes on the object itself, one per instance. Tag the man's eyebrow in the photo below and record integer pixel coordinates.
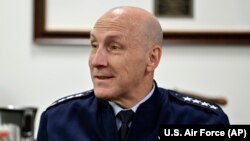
(92, 38)
(113, 37)
(92, 35)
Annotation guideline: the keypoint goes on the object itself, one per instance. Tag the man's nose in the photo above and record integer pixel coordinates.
(100, 58)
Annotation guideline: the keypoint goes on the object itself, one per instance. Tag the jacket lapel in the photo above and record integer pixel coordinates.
(147, 120)
(108, 122)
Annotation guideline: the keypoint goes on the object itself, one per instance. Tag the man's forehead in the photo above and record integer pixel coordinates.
(111, 26)
(106, 35)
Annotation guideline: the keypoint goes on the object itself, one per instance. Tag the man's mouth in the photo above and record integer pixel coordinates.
(103, 77)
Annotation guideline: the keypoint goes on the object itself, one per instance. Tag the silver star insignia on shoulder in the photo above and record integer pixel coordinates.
(196, 101)
(70, 97)
(187, 98)
(61, 100)
(213, 107)
(202, 103)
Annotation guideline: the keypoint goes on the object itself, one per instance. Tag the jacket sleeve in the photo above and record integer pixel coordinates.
(42, 130)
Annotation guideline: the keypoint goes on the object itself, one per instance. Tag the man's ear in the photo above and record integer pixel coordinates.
(154, 56)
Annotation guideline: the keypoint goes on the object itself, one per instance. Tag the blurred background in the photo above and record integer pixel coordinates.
(33, 74)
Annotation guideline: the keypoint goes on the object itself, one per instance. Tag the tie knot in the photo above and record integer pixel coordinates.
(125, 116)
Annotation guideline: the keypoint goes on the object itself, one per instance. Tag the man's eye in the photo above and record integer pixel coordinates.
(114, 47)
(94, 45)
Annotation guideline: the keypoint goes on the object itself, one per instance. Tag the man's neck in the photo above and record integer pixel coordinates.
(118, 108)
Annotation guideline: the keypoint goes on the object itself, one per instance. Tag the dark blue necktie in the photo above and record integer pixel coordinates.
(125, 116)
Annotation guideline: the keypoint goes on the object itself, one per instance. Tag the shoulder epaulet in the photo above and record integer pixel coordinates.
(71, 97)
(195, 101)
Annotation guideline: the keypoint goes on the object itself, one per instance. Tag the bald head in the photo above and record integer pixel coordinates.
(144, 26)
(126, 49)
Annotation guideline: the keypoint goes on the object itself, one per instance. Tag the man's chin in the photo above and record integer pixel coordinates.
(103, 94)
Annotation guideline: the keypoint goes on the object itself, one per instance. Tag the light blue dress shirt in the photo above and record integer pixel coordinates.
(117, 108)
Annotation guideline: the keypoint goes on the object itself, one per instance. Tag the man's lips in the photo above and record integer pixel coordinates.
(101, 77)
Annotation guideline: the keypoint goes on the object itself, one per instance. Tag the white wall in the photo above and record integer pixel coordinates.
(36, 75)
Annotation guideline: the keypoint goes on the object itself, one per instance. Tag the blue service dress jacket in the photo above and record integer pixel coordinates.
(83, 117)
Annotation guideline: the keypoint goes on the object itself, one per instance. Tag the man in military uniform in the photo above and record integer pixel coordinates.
(125, 103)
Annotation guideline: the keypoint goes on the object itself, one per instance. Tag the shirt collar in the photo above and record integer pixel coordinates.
(117, 108)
